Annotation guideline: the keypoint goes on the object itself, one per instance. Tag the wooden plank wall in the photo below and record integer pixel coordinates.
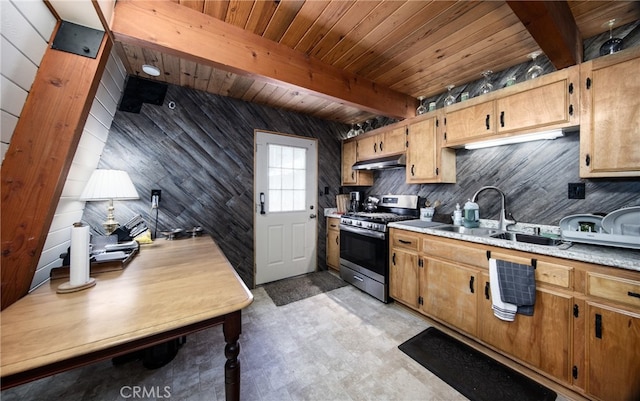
(201, 156)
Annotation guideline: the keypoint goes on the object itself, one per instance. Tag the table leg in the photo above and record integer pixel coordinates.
(231, 328)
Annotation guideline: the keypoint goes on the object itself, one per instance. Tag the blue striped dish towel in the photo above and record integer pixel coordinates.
(502, 310)
(517, 285)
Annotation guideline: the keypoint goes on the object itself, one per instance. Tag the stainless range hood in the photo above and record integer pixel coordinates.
(397, 161)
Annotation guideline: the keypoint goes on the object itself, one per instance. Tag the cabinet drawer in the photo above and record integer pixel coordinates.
(462, 253)
(614, 288)
(546, 272)
(333, 223)
(406, 240)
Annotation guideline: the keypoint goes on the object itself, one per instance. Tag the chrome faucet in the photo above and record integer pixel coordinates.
(504, 222)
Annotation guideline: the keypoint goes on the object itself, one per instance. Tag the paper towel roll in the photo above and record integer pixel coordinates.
(79, 263)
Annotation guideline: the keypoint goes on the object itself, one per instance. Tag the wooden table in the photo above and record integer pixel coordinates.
(171, 289)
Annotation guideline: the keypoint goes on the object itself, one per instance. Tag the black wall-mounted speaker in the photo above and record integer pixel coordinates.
(140, 90)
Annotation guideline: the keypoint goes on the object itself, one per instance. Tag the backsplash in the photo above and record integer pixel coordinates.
(534, 176)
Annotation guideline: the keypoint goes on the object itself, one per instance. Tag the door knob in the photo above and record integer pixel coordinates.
(312, 216)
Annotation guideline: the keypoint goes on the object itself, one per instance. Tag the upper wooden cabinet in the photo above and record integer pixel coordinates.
(610, 121)
(544, 103)
(382, 142)
(427, 160)
(351, 177)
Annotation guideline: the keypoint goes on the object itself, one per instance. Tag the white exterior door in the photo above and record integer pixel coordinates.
(285, 216)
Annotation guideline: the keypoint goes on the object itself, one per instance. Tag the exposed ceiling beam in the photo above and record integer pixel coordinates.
(553, 27)
(36, 164)
(174, 29)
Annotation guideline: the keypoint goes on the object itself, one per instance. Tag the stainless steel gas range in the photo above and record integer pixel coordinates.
(364, 244)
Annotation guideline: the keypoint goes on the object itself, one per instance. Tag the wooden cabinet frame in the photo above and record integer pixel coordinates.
(559, 341)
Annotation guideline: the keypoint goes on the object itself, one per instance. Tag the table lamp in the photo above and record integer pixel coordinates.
(109, 185)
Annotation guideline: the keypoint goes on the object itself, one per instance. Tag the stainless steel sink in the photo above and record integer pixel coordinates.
(479, 231)
(499, 234)
(528, 238)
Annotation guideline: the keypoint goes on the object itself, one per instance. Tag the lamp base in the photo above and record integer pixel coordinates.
(66, 288)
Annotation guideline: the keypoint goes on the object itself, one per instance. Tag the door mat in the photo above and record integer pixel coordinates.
(473, 374)
(289, 290)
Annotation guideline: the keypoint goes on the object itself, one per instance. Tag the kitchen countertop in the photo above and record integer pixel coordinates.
(623, 258)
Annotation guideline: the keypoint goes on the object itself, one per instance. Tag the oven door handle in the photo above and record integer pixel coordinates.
(363, 231)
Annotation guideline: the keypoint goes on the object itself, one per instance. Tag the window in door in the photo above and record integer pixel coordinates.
(287, 178)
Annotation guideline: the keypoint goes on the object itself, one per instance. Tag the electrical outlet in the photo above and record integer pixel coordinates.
(576, 190)
(157, 192)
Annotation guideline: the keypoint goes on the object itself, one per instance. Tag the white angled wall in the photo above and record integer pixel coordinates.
(25, 31)
(27, 26)
(86, 159)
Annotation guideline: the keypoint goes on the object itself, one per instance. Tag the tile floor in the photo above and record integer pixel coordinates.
(340, 345)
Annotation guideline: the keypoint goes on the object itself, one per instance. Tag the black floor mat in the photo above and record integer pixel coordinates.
(473, 374)
(289, 290)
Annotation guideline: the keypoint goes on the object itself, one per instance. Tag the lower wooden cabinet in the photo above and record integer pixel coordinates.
(585, 330)
(403, 281)
(542, 340)
(333, 243)
(450, 293)
(404, 265)
(613, 353)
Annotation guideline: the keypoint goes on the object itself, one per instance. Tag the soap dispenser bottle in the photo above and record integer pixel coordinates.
(457, 216)
(471, 214)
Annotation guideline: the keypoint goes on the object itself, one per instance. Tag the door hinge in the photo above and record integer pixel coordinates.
(437, 122)
(576, 310)
(445, 136)
(574, 372)
(420, 263)
(437, 171)
(420, 301)
(588, 83)
(587, 160)
(598, 324)
(570, 109)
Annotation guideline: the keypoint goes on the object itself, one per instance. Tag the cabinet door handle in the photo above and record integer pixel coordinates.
(393, 259)
(262, 203)
(633, 294)
(570, 109)
(403, 241)
(598, 325)
(486, 290)
(413, 168)
(375, 147)
(381, 143)
(587, 160)
(352, 175)
(502, 118)
(588, 83)
(471, 280)
(486, 121)
(337, 240)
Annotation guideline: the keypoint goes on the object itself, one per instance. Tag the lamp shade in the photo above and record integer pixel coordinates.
(109, 185)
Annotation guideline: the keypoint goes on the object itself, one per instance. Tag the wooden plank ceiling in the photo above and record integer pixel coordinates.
(411, 48)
